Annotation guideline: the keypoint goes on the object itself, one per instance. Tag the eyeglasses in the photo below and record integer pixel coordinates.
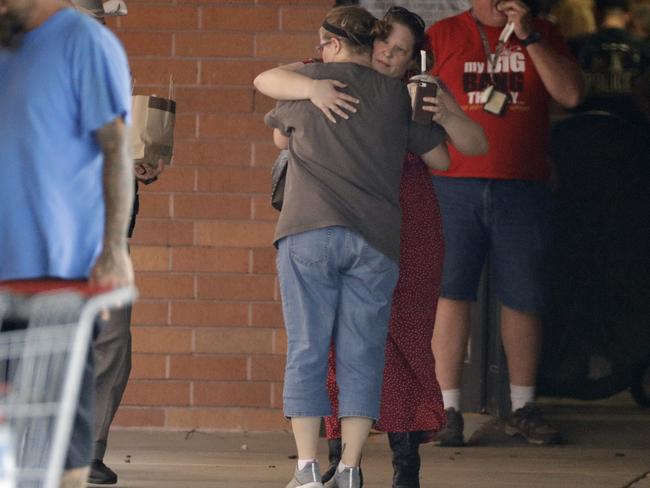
(407, 16)
(321, 46)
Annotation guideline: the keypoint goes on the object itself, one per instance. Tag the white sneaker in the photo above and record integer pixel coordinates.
(307, 477)
(348, 478)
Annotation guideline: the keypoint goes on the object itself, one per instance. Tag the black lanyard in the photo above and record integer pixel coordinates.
(489, 56)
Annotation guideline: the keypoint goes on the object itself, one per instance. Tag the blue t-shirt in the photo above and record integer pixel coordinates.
(68, 78)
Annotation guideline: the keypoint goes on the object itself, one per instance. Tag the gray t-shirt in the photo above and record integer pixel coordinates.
(349, 173)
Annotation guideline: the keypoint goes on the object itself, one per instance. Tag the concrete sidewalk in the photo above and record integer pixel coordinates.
(607, 445)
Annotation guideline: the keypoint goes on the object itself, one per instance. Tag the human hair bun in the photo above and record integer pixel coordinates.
(354, 25)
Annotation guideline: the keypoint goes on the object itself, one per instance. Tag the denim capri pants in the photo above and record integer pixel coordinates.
(335, 287)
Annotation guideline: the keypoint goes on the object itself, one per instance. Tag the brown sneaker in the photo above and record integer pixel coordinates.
(529, 423)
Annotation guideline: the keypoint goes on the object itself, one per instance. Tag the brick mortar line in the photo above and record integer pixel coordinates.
(199, 71)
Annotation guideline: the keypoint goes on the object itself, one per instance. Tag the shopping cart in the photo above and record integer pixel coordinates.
(41, 365)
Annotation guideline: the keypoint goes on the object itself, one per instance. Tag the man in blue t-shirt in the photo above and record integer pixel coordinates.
(65, 169)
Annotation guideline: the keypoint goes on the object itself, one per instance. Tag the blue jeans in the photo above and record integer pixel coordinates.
(335, 286)
(507, 219)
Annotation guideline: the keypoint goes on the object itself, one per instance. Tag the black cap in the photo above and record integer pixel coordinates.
(603, 5)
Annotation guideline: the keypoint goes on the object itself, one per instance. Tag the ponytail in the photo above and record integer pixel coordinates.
(354, 26)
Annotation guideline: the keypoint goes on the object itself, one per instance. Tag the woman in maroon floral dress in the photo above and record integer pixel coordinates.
(411, 406)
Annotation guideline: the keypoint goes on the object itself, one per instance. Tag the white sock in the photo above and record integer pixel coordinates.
(342, 467)
(521, 395)
(451, 398)
(303, 462)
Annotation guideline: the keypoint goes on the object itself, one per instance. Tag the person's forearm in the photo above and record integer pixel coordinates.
(283, 84)
(561, 76)
(280, 140)
(438, 158)
(466, 135)
(117, 182)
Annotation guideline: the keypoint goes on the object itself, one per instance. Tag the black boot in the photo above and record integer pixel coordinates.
(100, 474)
(334, 455)
(406, 459)
(334, 446)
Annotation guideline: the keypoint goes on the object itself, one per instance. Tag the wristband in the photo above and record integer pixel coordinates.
(532, 38)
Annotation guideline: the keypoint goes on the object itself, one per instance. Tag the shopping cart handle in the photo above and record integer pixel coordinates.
(37, 286)
(96, 297)
(60, 318)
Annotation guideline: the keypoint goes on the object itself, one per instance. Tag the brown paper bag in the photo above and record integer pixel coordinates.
(152, 133)
(94, 8)
(99, 9)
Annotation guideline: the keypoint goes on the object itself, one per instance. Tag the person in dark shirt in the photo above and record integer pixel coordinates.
(616, 66)
(112, 350)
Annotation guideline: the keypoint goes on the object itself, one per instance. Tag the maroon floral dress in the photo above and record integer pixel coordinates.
(411, 398)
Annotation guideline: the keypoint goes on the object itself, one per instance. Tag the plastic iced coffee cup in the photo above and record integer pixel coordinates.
(421, 86)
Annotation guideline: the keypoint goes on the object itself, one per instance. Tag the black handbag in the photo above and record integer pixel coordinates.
(278, 178)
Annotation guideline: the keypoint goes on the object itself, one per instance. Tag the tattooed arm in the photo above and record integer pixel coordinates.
(113, 266)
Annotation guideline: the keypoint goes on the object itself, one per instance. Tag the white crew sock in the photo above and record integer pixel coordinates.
(303, 462)
(521, 395)
(451, 399)
(342, 467)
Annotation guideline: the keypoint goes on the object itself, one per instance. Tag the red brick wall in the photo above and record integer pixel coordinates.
(208, 342)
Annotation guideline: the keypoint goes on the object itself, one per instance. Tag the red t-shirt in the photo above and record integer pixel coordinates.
(519, 139)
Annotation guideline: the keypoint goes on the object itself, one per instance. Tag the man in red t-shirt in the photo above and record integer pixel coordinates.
(498, 204)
